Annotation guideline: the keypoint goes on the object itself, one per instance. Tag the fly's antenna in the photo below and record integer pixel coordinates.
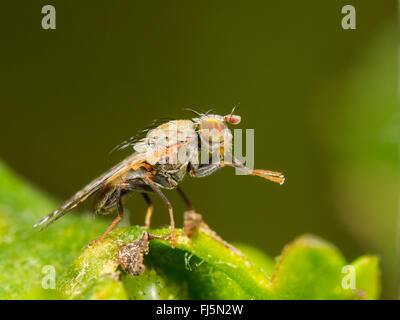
(236, 106)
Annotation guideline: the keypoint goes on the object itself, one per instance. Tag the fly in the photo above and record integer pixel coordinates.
(160, 161)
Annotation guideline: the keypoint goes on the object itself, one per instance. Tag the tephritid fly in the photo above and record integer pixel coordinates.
(161, 160)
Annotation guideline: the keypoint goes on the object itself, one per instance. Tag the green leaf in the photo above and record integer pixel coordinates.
(306, 268)
(367, 279)
(105, 288)
(202, 266)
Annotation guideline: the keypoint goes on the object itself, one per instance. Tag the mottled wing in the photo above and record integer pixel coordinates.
(124, 166)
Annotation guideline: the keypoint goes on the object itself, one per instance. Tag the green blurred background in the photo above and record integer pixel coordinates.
(322, 101)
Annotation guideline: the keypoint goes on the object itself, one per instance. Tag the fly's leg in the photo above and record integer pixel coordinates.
(157, 190)
(187, 201)
(204, 170)
(266, 174)
(149, 210)
(115, 221)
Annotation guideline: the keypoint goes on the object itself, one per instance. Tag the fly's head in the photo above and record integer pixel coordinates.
(214, 132)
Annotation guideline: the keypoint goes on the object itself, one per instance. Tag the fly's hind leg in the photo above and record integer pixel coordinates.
(157, 190)
(185, 198)
(115, 221)
(138, 184)
(149, 210)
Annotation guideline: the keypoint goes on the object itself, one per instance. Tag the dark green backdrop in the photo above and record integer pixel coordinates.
(322, 101)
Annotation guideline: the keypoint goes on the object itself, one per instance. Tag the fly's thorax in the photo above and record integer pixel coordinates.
(171, 143)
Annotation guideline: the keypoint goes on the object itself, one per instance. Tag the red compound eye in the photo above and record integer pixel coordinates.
(232, 119)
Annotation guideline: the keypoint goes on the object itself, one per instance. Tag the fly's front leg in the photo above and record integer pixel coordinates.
(115, 221)
(207, 169)
(266, 174)
(157, 190)
(203, 170)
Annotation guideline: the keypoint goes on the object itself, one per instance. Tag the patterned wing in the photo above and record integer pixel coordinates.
(125, 165)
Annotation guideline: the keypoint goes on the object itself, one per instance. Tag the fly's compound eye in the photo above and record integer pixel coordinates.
(232, 119)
